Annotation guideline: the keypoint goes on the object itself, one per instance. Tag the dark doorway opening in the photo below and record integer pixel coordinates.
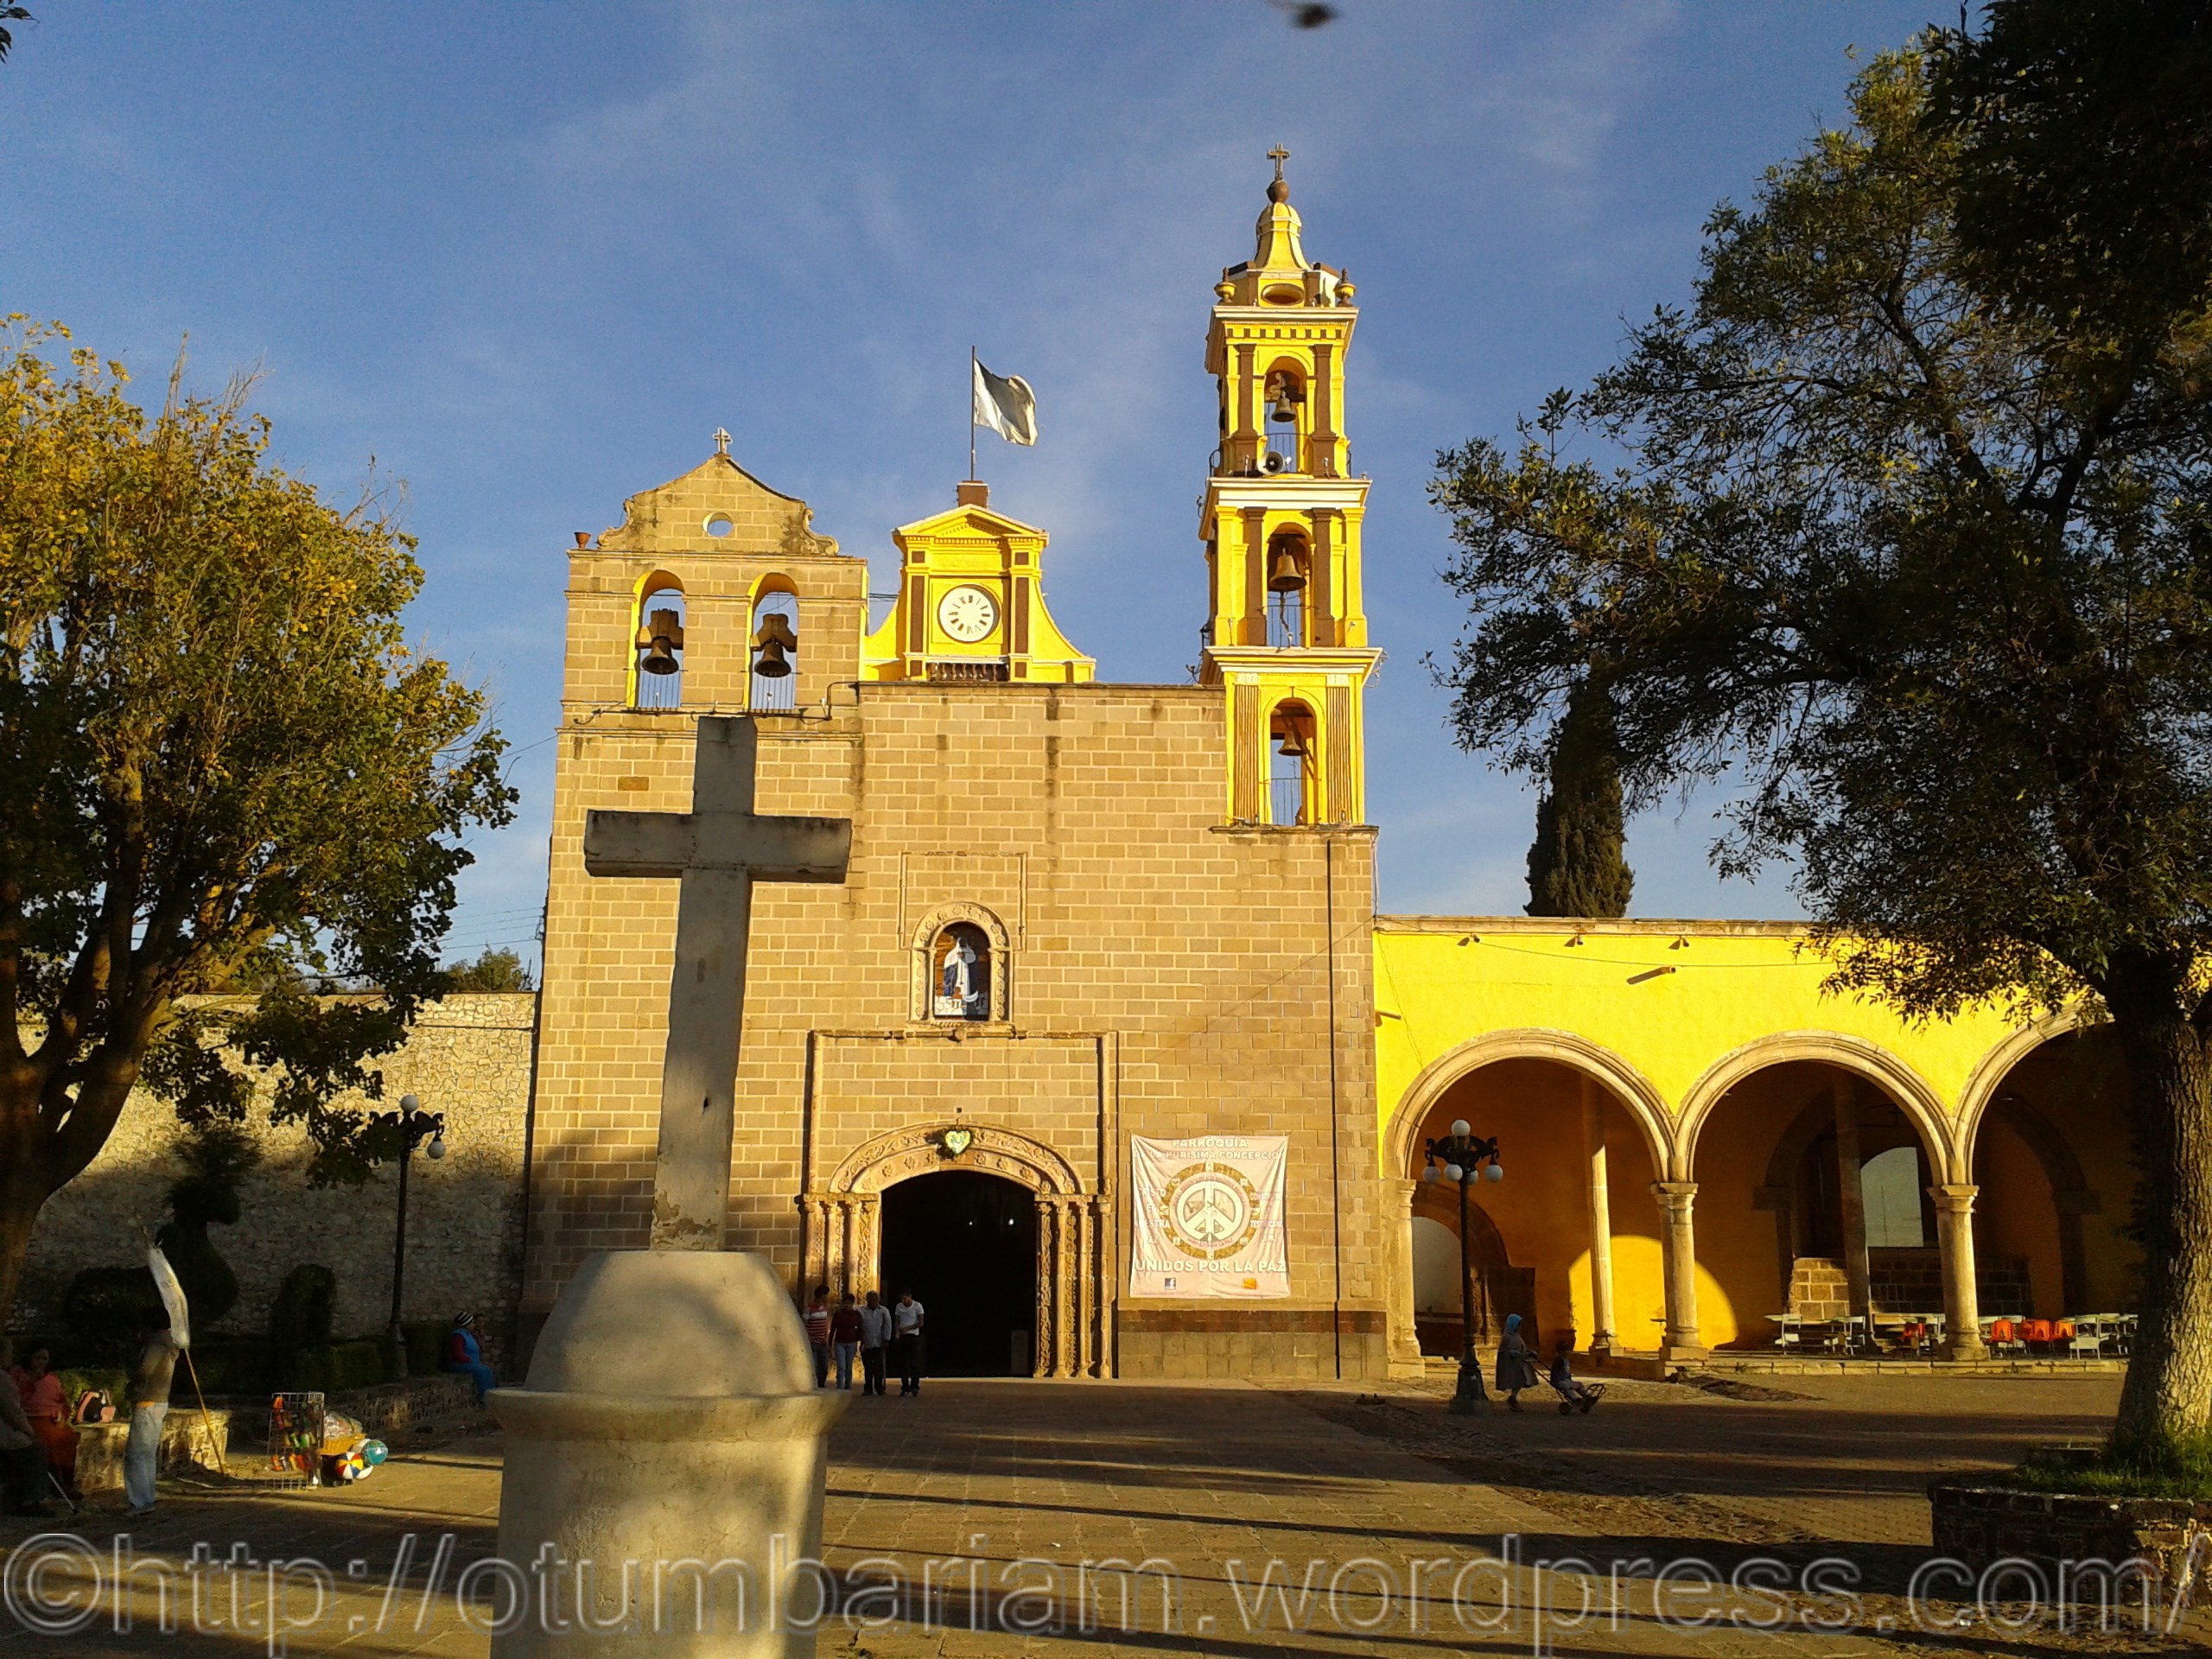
(966, 1245)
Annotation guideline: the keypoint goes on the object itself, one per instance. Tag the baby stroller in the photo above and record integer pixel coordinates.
(1572, 1395)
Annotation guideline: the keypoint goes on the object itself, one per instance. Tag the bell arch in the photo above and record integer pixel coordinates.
(658, 609)
(1643, 1102)
(1909, 1091)
(772, 645)
(842, 1240)
(921, 949)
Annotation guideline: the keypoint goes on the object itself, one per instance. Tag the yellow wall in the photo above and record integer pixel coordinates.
(1722, 986)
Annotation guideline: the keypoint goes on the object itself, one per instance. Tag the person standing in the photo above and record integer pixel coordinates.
(875, 1339)
(464, 1354)
(150, 1379)
(906, 1340)
(22, 1459)
(817, 1334)
(1517, 1366)
(845, 1339)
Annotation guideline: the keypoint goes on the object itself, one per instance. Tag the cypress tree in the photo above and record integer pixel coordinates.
(1575, 866)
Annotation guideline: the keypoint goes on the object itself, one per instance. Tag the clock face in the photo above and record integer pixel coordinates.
(968, 615)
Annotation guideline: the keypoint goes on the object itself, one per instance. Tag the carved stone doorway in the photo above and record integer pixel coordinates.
(845, 1243)
(966, 1245)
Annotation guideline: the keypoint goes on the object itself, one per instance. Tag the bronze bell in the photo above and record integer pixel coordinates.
(775, 641)
(1285, 573)
(1283, 412)
(662, 638)
(1291, 742)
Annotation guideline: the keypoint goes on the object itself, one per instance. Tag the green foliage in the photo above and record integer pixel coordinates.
(2085, 183)
(339, 1366)
(1575, 866)
(1912, 541)
(300, 1316)
(76, 1381)
(227, 771)
(494, 970)
(11, 14)
(108, 1308)
(426, 1346)
(217, 1157)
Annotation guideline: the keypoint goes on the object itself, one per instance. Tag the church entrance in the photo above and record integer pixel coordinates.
(966, 1245)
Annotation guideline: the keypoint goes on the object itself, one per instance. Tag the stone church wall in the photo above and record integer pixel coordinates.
(1168, 976)
(468, 1058)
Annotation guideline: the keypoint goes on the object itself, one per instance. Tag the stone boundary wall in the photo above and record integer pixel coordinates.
(469, 1057)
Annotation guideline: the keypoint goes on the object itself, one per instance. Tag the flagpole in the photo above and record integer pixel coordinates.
(972, 414)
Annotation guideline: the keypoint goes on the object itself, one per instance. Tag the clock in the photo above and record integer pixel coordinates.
(967, 613)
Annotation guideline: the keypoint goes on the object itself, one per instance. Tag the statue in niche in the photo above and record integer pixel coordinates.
(963, 974)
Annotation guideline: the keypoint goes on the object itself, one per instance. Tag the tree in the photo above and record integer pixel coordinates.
(11, 14)
(1575, 867)
(493, 970)
(1914, 537)
(224, 769)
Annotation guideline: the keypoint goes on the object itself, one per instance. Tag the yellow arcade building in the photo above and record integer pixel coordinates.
(1101, 1048)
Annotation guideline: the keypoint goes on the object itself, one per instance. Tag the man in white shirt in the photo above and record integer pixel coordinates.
(906, 1342)
(875, 1339)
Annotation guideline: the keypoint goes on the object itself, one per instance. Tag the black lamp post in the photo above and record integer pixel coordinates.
(406, 1128)
(1463, 1157)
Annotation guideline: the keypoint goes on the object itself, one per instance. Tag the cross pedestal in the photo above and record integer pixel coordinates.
(718, 849)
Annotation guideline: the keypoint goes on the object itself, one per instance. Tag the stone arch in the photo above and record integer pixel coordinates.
(1898, 1082)
(921, 1149)
(922, 942)
(1645, 1104)
(1990, 1071)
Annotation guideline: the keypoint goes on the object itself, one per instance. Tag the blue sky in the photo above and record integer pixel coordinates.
(527, 258)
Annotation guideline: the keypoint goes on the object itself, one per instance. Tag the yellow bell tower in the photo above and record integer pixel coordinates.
(1280, 520)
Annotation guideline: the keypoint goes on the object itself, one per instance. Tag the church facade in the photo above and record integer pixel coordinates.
(1206, 1160)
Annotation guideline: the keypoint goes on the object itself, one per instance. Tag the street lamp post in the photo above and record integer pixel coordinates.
(407, 1128)
(1461, 1158)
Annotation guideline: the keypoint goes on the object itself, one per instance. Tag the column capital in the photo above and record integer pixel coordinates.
(1675, 1195)
(1957, 1195)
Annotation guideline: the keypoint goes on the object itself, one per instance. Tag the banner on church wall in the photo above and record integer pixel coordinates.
(1209, 1217)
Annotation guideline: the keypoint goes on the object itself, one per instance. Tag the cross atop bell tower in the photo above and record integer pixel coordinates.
(1286, 630)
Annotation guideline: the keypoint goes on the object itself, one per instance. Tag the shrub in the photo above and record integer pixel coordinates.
(306, 1302)
(217, 1157)
(107, 1308)
(232, 1364)
(74, 1381)
(339, 1366)
(426, 1346)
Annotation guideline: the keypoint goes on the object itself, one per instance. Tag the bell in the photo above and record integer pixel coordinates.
(662, 637)
(1283, 412)
(776, 630)
(772, 665)
(1292, 744)
(1285, 576)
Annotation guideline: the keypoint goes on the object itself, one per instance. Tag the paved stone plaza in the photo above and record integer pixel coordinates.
(997, 1487)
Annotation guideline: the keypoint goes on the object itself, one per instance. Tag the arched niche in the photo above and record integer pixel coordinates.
(931, 943)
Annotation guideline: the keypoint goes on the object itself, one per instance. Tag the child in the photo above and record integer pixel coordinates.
(1572, 1395)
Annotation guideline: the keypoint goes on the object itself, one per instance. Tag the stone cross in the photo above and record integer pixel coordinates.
(718, 849)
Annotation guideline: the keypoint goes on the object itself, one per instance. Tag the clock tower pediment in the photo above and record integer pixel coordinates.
(970, 607)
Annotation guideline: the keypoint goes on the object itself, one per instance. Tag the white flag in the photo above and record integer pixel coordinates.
(165, 1281)
(1005, 403)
